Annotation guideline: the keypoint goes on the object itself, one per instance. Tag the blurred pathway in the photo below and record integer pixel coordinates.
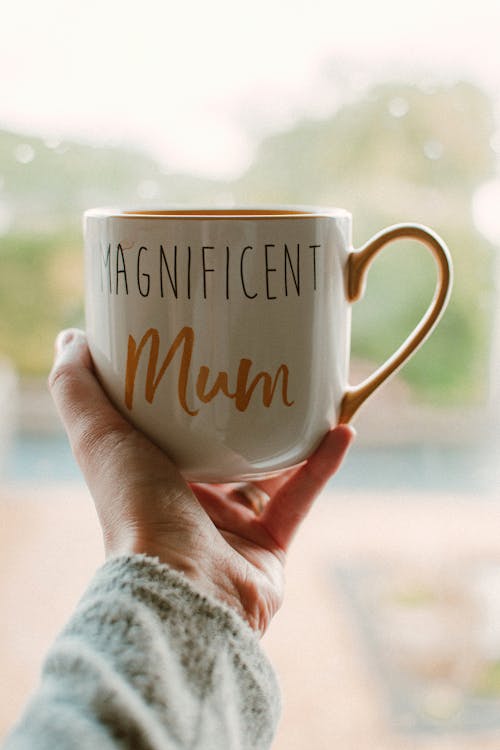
(50, 545)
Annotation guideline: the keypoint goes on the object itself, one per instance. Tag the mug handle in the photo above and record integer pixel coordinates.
(358, 263)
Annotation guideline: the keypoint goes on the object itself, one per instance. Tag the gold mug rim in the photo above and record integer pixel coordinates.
(243, 212)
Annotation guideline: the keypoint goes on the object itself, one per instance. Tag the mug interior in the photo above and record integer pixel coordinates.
(220, 213)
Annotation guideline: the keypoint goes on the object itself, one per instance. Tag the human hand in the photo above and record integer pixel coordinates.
(145, 506)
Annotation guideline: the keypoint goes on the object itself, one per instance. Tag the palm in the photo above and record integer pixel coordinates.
(219, 542)
(256, 543)
(252, 557)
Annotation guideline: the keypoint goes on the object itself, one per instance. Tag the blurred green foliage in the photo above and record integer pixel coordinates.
(398, 153)
(40, 292)
(402, 154)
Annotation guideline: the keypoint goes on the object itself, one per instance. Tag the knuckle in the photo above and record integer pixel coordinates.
(95, 441)
(62, 378)
(95, 434)
(85, 442)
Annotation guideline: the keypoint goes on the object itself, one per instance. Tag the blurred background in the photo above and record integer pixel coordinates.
(389, 110)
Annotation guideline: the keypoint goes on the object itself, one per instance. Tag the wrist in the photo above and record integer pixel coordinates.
(207, 577)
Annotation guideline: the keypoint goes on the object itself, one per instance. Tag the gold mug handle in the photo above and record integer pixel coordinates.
(357, 267)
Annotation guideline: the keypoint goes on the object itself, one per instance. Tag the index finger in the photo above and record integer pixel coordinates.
(285, 511)
(273, 484)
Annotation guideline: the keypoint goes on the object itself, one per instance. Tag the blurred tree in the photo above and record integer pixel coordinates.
(40, 291)
(399, 153)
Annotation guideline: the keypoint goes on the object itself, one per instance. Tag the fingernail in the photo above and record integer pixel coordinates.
(63, 339)
(349, 428)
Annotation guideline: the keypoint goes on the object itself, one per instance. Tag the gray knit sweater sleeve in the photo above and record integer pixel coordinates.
(148, 662)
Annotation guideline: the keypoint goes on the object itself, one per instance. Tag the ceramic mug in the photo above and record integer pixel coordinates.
(224, 335)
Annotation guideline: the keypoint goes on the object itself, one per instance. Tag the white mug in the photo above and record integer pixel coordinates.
(224, 335)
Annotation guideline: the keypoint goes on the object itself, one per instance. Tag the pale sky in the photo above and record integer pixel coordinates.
(197, 83)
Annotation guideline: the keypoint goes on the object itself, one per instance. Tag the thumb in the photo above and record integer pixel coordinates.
(90, 420)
